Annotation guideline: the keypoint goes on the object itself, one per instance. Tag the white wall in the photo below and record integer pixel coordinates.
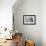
(6, 13)
(34, 32)
(43, 22)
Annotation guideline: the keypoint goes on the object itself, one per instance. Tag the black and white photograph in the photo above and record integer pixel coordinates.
(29, 19)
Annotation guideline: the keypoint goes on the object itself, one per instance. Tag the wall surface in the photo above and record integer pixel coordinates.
(31, 7)
(28, 7)
(43, 22)
(6, 13)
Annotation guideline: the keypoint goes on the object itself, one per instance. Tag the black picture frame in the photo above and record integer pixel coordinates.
(29, 19)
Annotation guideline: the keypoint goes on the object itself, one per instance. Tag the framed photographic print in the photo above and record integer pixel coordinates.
(29, 19)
